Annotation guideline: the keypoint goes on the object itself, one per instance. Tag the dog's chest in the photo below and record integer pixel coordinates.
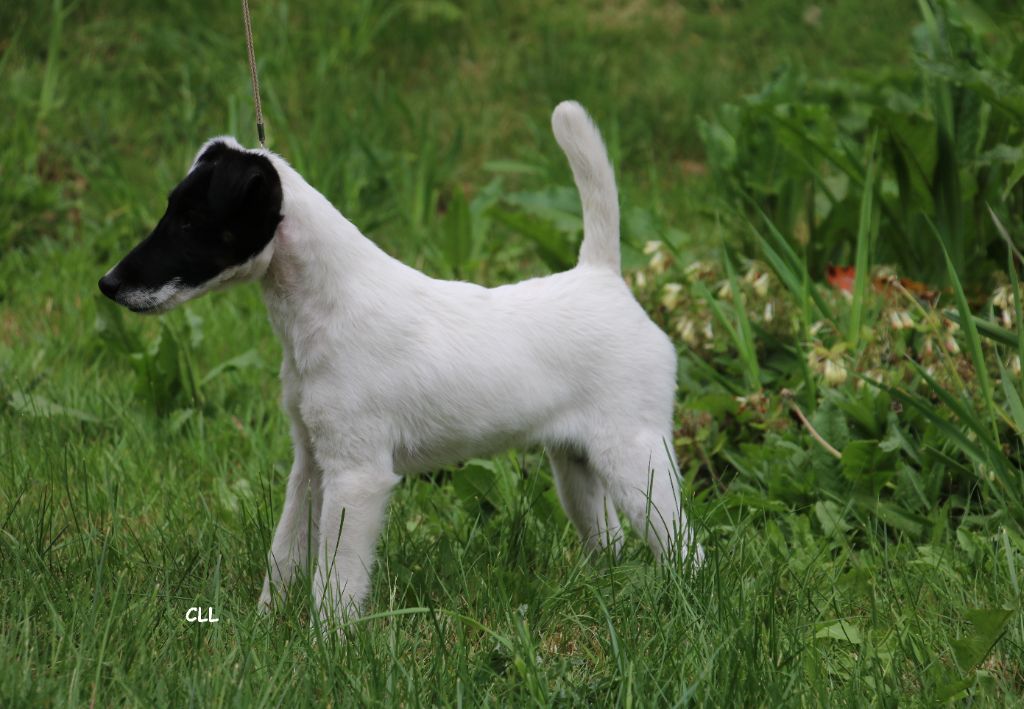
(423, 422)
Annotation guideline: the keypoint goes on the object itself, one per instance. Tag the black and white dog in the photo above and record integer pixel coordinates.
(388, 372)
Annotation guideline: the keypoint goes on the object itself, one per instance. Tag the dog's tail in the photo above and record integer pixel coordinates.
(595, 180)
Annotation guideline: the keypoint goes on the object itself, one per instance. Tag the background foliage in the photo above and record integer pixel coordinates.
(821, 203)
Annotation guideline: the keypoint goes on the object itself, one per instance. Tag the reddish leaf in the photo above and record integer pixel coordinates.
(841, 277)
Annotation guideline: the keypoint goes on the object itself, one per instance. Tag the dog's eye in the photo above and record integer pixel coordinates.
(227, 236)
(188, 220)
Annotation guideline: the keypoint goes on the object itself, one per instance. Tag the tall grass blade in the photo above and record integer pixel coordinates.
(745, 342)
(962, 411)
(48, 89)
(989, 330)
(1013, 400)
(951, 432)
(971, 335)
(865, 237)
(946, 176)
(716, 310)
(1005, 235)
(788, 266)
(1018, 306)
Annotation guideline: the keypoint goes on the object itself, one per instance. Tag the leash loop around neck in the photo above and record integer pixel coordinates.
(252, 74)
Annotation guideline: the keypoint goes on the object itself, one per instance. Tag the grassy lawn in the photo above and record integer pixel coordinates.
(758, 145)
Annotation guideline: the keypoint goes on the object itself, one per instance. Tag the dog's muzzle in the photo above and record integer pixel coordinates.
(110, 284)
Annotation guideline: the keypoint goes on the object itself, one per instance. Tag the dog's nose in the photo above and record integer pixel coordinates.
(109, 285)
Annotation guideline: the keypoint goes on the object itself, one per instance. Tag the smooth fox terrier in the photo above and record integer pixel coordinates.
(388, 372)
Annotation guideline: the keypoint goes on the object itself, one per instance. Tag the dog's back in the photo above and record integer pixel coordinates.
(527, 363)
(539, 361)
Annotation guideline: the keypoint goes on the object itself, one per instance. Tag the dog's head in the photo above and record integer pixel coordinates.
(218, 229)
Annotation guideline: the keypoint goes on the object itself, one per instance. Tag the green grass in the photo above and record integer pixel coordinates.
(143, 461)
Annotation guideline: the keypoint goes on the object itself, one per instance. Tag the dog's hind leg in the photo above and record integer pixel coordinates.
(354, 508)
(586, 501)
(640, 472)
(296, 538)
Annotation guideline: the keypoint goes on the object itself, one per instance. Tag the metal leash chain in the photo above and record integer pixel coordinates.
(252, 72)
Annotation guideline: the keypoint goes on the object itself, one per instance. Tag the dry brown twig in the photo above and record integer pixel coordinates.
(787, 396)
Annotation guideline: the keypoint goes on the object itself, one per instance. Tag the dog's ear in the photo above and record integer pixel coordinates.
(252, 187)
(245, 186)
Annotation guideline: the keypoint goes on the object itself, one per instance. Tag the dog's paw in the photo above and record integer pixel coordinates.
(335, 618)
(265, 605)
(329, 629)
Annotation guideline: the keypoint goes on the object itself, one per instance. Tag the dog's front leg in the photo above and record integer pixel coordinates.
(296, 537)
(355, 497)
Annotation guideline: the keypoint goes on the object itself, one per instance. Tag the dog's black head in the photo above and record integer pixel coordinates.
(218, 228)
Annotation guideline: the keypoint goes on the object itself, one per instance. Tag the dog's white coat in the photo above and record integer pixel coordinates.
(388, 372)
(164, 298)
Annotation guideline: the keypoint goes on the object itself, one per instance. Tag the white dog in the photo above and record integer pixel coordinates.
(388, 372)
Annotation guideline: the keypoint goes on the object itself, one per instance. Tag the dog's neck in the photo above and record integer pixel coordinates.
(320, 261)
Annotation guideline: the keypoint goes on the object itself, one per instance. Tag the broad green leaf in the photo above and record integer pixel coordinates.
(246, 360)
(840, 630)
(893, 515)
(552, 245)
(831, 517)
(864, 458)
(36, 405)
(956, 689)
(987, 626)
